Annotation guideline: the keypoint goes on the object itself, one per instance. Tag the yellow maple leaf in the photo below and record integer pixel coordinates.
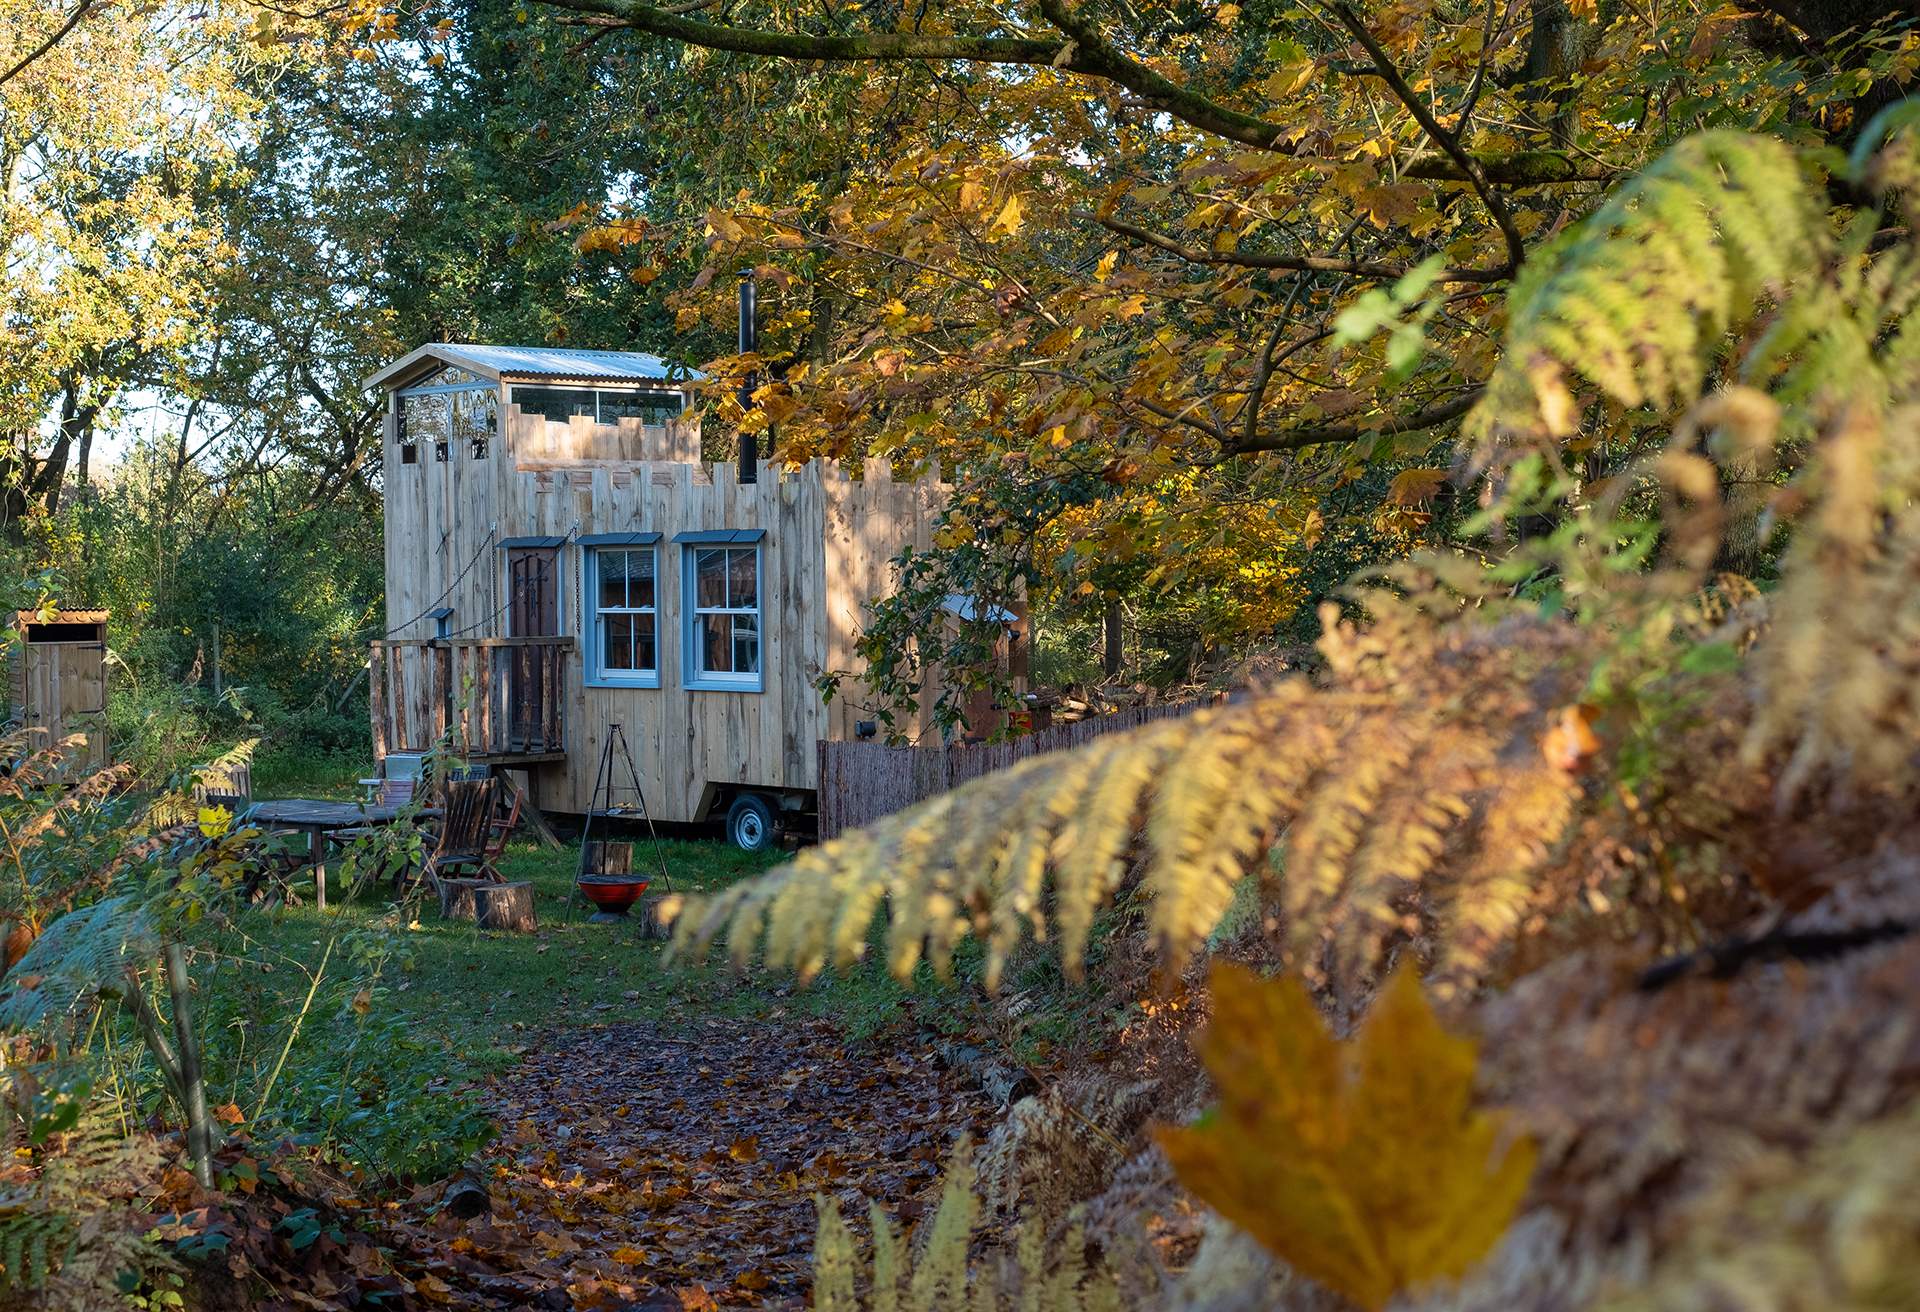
(722, 226)
(958, 531)
(1008, 220)
(1365, 1165)
(1413, 486)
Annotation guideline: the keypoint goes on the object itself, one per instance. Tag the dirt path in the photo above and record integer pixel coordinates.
(675, 1167)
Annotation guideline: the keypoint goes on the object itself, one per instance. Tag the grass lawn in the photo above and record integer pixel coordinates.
(483, 989)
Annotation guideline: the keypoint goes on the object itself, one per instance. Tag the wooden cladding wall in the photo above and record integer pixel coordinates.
(538, 441)
(828, 546)
(867, 524)
(441, 529)
(686, 739)
(446, 517)
(862, 781)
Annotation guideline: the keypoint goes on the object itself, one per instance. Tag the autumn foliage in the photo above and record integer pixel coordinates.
(1543, 938)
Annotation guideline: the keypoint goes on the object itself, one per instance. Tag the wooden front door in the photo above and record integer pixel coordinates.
(533, 611)
(66, 693)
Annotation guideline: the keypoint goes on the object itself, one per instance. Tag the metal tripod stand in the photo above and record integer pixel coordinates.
(617, 801)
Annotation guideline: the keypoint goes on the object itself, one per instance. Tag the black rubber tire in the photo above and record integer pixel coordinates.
(753, 825)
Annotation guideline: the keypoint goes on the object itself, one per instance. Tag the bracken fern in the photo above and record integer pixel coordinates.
(1043, 1277)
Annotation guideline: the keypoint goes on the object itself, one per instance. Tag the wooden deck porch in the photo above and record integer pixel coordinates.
(496, 701)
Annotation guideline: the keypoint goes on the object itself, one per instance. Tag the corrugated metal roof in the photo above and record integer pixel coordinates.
(565, 364)
(539, 362)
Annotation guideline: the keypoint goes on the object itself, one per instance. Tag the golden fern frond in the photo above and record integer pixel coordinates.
(1431, 795)
(1379, 782)
(1221, 806)
(1528, 811)
(1349, 801)
(1841, 668)
(224, 773)
(836, 1261)
(940, 1276)
(1638, 299)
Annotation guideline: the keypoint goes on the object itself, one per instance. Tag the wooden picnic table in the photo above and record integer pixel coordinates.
(317, 819)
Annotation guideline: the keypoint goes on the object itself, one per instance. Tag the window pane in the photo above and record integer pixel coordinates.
(648, 407)
(646, 658)
(473, 419)
(617, 649)
(556, 403)
(424, 418)
(710, 574)
(640, 578)
(746, 644)
(473, 411)
(710, 643)
(613, 578)
(742, 592)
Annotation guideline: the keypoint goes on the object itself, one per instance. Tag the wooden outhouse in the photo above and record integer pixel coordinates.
(559, 559)
(59, 682)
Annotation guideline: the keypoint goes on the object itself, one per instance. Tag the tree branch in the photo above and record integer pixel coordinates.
(1441, 137)
(1525, 168)
(1294, 263)
(60, 34)
(1294, 439)
(1234, 445)
(875, 46)
(1084, 51)
(1090, 52)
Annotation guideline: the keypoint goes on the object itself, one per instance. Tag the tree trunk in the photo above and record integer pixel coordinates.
(1557, 42)
(505, 906)
(201, 1135)
(457, 901)
(647, 916)
(83, 459)
(1115, 655)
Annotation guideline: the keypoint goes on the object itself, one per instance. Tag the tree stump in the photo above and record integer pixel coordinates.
(506, 906)
(457, 898)
(646, 913)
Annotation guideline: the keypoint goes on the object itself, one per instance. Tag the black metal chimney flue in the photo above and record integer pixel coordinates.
(749, 341)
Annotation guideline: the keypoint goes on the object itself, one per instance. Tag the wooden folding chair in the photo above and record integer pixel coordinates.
(468, 806)
(501, 827)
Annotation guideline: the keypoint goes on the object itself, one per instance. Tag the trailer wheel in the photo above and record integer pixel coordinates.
(752, 823)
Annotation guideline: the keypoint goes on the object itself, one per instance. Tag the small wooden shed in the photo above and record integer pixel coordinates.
(60, 682)
(560, 559)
